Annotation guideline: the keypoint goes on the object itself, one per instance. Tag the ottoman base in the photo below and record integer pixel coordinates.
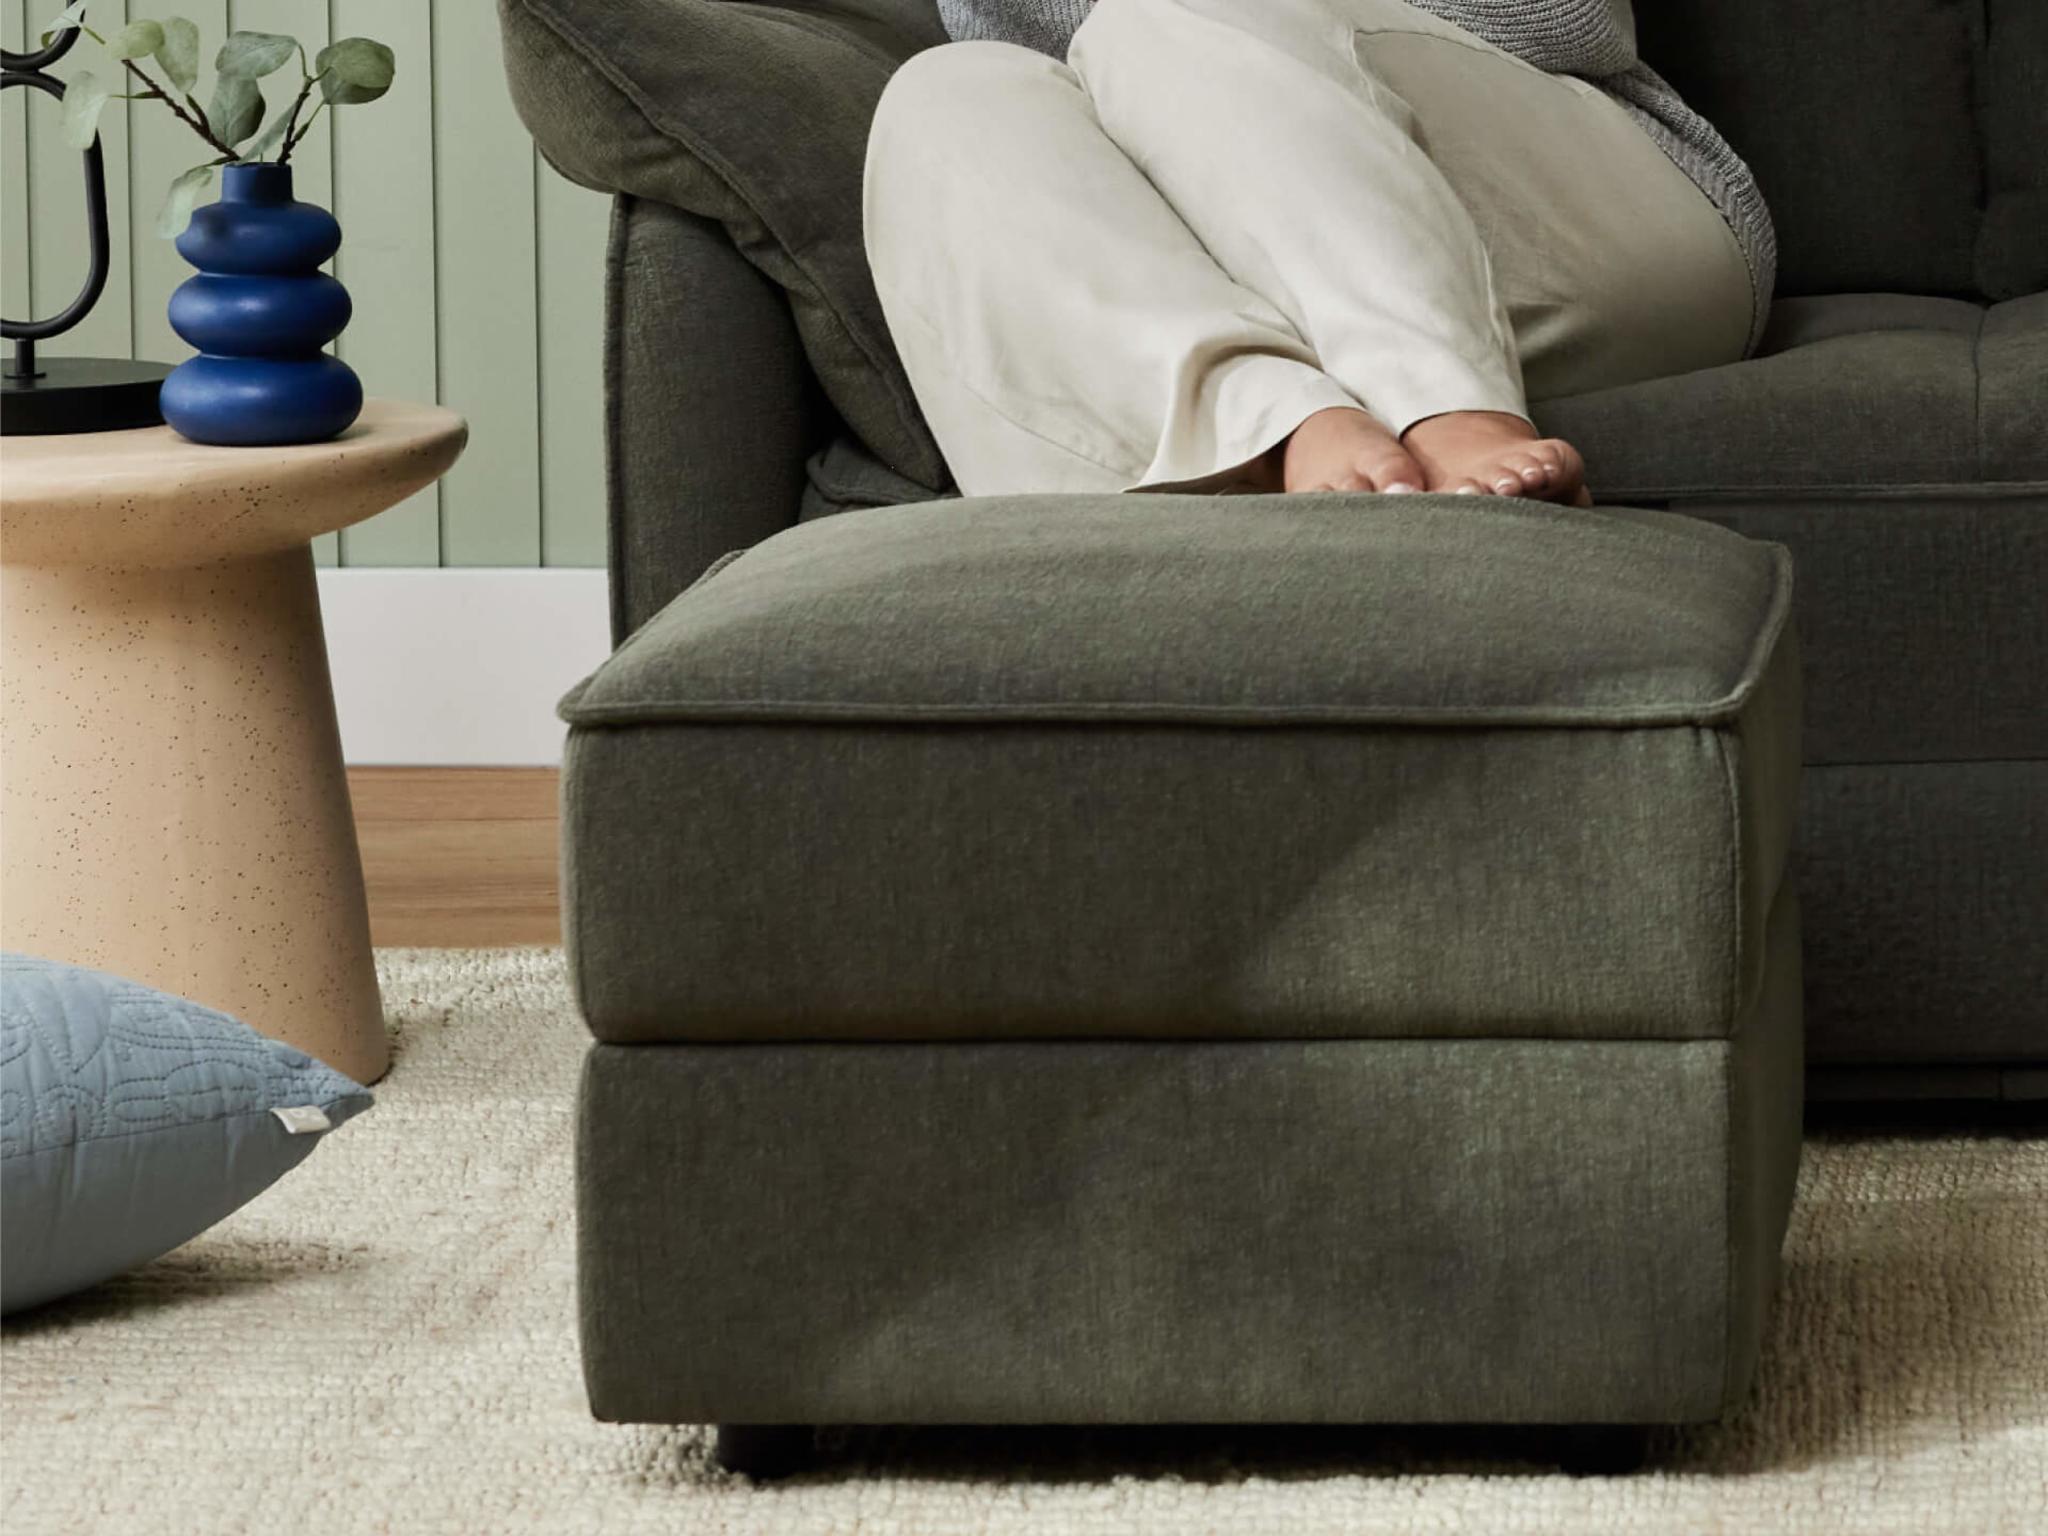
(1402, 1231)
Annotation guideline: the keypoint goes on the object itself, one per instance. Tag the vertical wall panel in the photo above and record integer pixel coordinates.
(573, 223)
(14, 284)
(384, 197)
(486, 293)
(477, 272)
(56, 191)
(161, 148)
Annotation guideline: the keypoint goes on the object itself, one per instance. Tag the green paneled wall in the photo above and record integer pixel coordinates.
(476, 270)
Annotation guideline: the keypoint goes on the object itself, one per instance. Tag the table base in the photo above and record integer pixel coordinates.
(174, 804)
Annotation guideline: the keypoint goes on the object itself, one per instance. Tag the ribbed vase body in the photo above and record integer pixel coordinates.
(260, 311)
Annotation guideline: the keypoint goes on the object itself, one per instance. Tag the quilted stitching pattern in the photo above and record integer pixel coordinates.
(86, 1056)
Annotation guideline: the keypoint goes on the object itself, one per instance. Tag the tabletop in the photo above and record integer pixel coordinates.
(151, 497)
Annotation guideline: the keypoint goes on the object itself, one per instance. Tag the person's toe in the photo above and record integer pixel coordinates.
(1392, 473)
(1567, 469)
(1464, 485)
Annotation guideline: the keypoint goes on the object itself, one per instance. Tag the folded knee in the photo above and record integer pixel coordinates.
(952, 121)
(946, 94)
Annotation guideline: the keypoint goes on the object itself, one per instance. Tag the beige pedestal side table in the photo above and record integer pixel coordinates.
(172, 802)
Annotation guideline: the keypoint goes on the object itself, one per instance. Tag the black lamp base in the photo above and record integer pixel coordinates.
(81, 394)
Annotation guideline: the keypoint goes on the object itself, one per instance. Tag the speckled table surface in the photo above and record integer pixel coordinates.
(173, 798)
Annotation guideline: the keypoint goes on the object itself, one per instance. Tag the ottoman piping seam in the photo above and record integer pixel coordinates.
(637, 712)
(571, 834)
(1731, 1153)
(1738, 929)
(1764, 644)
(1709, 712)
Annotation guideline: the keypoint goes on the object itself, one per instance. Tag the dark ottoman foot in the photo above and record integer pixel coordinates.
(1603, 1450)
(766, 1451)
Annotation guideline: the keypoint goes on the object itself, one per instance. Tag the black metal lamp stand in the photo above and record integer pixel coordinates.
(71, 394)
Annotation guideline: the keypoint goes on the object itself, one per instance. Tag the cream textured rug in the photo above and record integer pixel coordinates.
(384, 1342)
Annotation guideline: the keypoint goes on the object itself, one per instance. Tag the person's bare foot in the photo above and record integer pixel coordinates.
(1341, 449)
(1490, 453)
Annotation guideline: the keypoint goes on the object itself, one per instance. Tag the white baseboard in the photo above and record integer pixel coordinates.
(459, 668)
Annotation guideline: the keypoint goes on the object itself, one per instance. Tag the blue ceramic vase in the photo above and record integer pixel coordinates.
(259, 312)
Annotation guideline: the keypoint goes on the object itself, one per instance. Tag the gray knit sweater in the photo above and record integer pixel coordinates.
(1594, 39)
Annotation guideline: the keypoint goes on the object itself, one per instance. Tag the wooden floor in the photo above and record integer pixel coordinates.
(459, 856)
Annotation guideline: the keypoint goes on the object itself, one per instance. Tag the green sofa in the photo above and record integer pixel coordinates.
(1893, 435)
(1014, 1005)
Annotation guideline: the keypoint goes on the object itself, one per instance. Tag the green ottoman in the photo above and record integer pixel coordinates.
(1162, 958)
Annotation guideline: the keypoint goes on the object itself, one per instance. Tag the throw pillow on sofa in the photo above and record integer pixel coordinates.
(755, 115)
(131, 1121)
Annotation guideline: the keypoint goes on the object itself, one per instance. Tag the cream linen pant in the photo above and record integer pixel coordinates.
(1146, 266)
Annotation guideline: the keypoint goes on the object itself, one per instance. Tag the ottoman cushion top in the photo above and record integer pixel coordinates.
(1254, 611)
(1184, 766)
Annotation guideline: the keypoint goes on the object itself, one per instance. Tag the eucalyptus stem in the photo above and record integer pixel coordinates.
(298, 132)
(197, 124)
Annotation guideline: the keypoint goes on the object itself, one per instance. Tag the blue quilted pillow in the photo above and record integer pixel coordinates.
(131, 1121)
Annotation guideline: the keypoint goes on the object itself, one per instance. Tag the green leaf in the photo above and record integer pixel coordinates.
(236, 110)
(354, 70)
(178, 55)
(137, 40)
(267, 141)
(253, 55)
(84, 97)
(176, 212)
(69, 19)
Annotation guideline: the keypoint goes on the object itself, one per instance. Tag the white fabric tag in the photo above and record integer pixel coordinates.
(304, 1119)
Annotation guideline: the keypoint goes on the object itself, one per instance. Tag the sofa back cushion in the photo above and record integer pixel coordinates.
(1860, 119)
(2012, 251)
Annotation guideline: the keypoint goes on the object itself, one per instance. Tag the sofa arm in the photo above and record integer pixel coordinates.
(709, 407)
(754, 115)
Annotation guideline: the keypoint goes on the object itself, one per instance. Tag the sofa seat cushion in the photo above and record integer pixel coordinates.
(1166, 766)
(1868, 391)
